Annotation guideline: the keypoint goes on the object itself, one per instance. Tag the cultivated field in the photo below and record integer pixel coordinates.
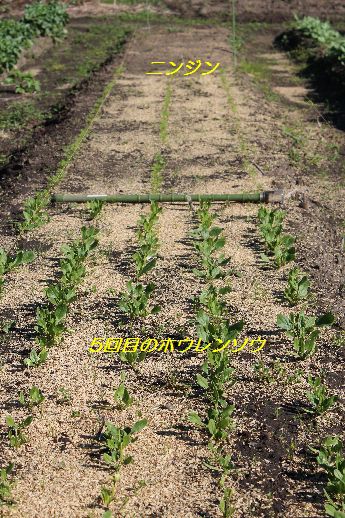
(172, 359)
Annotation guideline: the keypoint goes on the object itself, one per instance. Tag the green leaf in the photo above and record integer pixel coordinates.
(325, 320)
(202, 381)
(195, 419)
(139, 425)
(283, 322)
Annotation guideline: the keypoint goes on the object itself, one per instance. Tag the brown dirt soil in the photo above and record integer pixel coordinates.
(222, 128)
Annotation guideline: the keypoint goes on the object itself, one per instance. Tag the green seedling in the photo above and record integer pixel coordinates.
(65, 397)
(36, 358)
(6, 485)
(135, 302)
(50, 324)
(303, 330)
(15, 430)
(218, 422)
(95, 208)
(5, 328)
(225, 504)
(213, 330)
(23, 81)
(121, 394)
(330, 458)
(107, 495)
(34, 212)
(220, 462)
(72, 272)
(60, 295)
(116, 441)
(318, 397)
(144, 262)
(297, 288)
(216, 374)
(8, 263)
(283, 252)
(270, 225)
(132, 358)
(211, 299)
(34, 398)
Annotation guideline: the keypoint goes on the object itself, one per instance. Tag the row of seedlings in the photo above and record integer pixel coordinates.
(49, 327)
(304, 330)
(135, 303)
(214, 329)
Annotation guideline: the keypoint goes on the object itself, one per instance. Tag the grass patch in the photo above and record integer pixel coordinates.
(261, 75)
(19, 115)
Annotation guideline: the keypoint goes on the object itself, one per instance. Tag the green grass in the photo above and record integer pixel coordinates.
(261, 75)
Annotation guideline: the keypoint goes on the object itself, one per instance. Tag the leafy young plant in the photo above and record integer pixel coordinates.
(297, 288)
(95, 208)
(34, 398)
(116, 441)
(23, 81)
(15, 430)
(6, 485)
(9, 263)
(135, 302)
(218, 421)
(330, 457)
(121, 394)
(34, 212)
(271, 225)
(303, 330)
(50, 324)
(318, 397)
(36, 358)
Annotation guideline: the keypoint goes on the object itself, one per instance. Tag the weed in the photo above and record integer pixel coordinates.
(297, 288)
(303, 330)
(65, 396)
(15, 430)
(318, 396)
(19, 114)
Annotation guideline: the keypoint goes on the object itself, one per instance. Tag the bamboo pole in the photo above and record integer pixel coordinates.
(256, 197)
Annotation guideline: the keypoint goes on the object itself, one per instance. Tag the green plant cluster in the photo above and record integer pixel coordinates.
(6, 485)
(134, 302)
(330, 457)
(40, 19)
(116, 440)
(8, 263)
(280, 246)
(51, 317)
(322, 33)
(213, 327)
(304, 330)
